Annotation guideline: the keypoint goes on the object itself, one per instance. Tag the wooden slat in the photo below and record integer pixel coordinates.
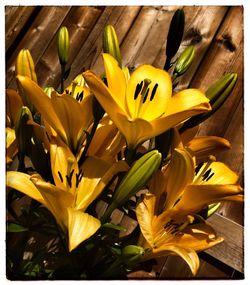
(138, 34)
(79, 21)
(16, 17)
(155, 37)
(230, 251)
(38, 37)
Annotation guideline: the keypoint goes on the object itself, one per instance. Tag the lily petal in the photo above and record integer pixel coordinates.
(42, 103)
(198, 237)
(154, 104)
(180, 174)
(145, 214)
(181, 106)
(187, 254)
(96, 175)
(21, 182)
(63, 163)
(206, 145)
(116, 80)
(81, 226)
(57, 200)
(196, 197)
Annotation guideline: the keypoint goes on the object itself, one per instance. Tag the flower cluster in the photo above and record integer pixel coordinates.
(120, 142)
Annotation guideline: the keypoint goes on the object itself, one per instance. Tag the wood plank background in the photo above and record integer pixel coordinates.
(216, 32)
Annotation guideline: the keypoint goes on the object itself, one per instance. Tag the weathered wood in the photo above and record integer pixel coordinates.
(37, 38)
(79, 21)
(16, 17)
(155, 37)
(138, 34)
(230, 251)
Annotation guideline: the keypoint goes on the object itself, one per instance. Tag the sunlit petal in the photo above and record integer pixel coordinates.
(81, 226)
(152, 104)
(21, 182)
(180, 174)
(196, 197)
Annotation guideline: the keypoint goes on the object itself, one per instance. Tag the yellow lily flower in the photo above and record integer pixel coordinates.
(75, 188)
(181, 190)
(63, 113)
(13, 104)
(164, 236)
(143, 106)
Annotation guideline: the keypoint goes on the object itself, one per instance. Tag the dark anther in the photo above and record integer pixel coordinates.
(145, 96)
(138, 90)
(79, 177)
(198, 167)
(69, 178)
(210, 176)
(79, 96)
(153, 92)
(60, 176)
(206, 174)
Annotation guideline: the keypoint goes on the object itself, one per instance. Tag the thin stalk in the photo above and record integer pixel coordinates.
(62, 77)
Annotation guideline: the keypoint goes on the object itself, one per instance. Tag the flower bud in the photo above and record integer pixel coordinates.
(63, 45)
(184, 61)
(218, 92)
(212, 209)
(137, 176)
(23, 130)
(174, 36)
(25, 65)
(110, 43)
(48, 90)
(132, 254)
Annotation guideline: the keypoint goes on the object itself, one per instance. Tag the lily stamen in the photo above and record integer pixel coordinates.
(200, 176)
(138, 89)
(153, 92)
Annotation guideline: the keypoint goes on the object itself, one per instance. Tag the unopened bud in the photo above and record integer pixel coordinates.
(218, 92)
(137, 177)
(23, 130)
(174, 36)
(110, 43)
(132, 254)
(184, 61)
(25, 65)
(63, 45)
(48, 90)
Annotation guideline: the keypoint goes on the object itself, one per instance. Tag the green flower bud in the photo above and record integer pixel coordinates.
(137, 177)
(63, 45)
(25, 66)
(131, 254)
(212, 208)
(218, 92)
(110, 43)
(184, 61)
(48, 90)
(174, 37)
(23, 130)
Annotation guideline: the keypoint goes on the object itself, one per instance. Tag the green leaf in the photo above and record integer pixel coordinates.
(15, 228)
(114, 227)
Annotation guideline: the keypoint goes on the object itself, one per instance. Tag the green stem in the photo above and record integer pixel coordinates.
(108, 212)
(83, 156)
(130, 156)
(62, 77)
